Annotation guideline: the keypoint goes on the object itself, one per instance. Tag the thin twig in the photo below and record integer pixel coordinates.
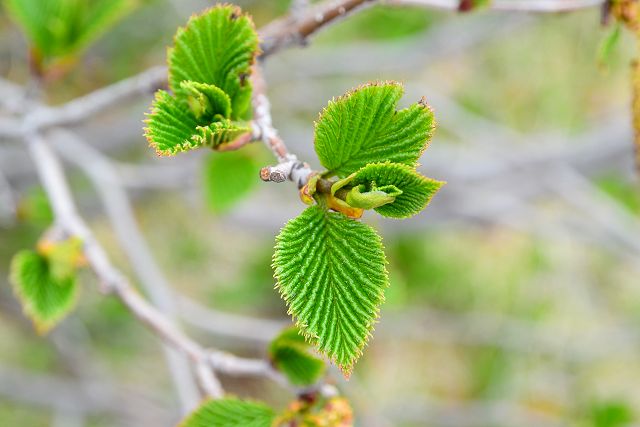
(288, 167)
(538, 6)
(55, 184)
(292, 30)
(97, 101)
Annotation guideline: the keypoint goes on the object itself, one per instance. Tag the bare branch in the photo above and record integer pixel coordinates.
(227, 324)
(538, 6)
(55, 184)
(288, 167)
(100, 100)
(290, 31)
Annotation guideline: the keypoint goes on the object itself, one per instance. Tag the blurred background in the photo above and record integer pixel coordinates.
(514, 298)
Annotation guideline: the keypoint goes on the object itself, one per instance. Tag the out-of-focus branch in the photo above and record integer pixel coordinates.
(296, 27)
(538, 6)
(73, 395)
(228, 324)
(206, 362)
(67, 218)
(100, 100)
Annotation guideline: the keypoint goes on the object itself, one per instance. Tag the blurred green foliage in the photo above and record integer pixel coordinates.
(60, 29)
(228, 177)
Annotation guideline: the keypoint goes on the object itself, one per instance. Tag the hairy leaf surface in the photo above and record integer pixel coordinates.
(230, 412)
(364, 127)
(289, 352)
(170, 125)
(216, 47)
(206, 101)
(415, 190)
(45, 299)
(219, 133)
(331, 272)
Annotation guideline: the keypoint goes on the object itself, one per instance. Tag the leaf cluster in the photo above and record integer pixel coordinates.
(329, 267)
(209, 68)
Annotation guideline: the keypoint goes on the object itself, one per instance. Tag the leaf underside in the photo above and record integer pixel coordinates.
(216, 47)
(45, 299)
(364, 127)
(289, 352)
(416, 190)
(331, 273)
(230, 412)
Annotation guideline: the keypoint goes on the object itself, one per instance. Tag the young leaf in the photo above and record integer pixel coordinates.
(289, 352)
(219, 133)
(170, 125)
(60, 28)
(206, 101)
(331, 273)
(45, 299)
(216, 47)
(228, 177)
(363, 127)
(404, 191)
(331, 412)
(230, 412)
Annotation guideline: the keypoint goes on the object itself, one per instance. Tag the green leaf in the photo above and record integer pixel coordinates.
(404, 191)
(289, 352)
(363, 198)
(45, 299)
(60, 28)
(230, 412)
(206, 101)
(228, 177)
(219, 133)
(216, 47)
(331, 273)
(170, 125)
(363, 127)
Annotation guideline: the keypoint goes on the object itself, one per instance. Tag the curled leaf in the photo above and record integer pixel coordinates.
(398, 190)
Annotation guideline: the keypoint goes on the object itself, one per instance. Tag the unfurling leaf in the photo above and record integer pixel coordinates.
(363, 127)
(206, 101)
(217, 47)
(228, 177)
(230, 412)
(331, 272)
(289, 352)
(45, 299)
(392, 189)
(209, 69)
(170, 125)
(219, 133)
(60, 28)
